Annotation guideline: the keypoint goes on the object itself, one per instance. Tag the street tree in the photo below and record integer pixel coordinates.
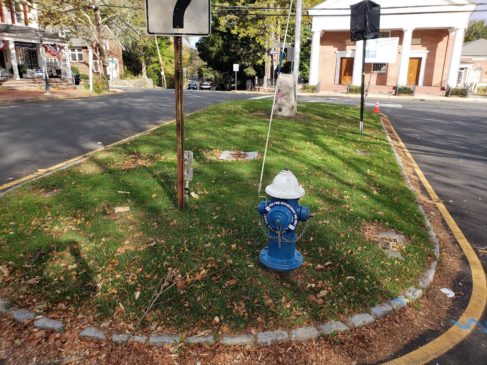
(476, 30)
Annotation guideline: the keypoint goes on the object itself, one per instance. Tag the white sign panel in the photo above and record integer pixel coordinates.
(236, 67)
(178, 17)
(381, 50)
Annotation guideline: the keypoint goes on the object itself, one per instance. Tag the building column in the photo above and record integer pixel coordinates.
(13, 59)
(456, 55)
(69, 74)
(357, 63)
(402, 78)
(314, 66)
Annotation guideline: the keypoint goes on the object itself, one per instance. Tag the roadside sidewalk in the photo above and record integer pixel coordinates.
(17, 96)
(418, 97)
(374, 96)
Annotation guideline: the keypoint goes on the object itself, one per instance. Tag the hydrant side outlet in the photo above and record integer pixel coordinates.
(281, 216)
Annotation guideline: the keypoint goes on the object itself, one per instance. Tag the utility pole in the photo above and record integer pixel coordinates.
(297, 41)
(163, 75)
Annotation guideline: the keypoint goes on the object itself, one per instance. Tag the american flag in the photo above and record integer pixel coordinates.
(53, 51)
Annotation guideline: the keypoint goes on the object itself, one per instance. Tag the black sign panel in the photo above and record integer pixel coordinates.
(365, 20)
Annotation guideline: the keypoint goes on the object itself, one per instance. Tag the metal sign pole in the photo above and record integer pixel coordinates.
(235, 80)
(178, 80)
(362, 93)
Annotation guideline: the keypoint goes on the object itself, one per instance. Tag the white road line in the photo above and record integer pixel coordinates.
(261, 97)
(395, 106)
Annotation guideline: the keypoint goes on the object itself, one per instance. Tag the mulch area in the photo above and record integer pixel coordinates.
(375, 343)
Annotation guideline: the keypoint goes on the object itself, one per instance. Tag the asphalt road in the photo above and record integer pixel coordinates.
(37, 135)
(448, 140)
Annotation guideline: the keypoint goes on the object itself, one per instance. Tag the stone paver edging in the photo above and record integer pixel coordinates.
(265, 338)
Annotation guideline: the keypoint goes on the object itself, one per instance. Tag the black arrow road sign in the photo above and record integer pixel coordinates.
(178, 14)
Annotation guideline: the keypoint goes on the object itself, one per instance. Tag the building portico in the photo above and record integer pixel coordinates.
(430, 34)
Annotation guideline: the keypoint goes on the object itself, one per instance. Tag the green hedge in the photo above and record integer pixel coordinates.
(351, 89)
(404, 90)
(459, 91)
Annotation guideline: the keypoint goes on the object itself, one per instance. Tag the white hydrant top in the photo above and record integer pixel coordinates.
(285, 186)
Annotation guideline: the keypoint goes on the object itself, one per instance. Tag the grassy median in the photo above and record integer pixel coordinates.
(102, 234)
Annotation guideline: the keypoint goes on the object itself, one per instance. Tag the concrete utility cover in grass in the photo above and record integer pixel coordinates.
(238, 156)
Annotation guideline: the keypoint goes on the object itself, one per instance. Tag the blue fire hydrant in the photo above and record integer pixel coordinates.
(281, 215)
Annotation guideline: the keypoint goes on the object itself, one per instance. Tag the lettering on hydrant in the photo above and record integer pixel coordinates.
(281, 216)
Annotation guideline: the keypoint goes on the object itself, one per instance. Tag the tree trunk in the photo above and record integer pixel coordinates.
(144, 69)
(100, 43)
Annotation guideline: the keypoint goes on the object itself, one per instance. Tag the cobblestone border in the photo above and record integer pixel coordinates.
(265, 338)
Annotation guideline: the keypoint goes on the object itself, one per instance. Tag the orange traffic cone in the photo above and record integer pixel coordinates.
(376, 108)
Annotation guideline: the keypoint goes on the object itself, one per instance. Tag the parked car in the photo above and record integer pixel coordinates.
(206, 85)
(193, 85)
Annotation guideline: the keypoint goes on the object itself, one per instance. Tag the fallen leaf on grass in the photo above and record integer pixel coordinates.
(5, 270)
(122, 209)
(137, 295)
(231, 282)
(33, 281)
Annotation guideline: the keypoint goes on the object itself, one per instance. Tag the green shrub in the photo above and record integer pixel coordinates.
(307, 88)
(84, 77)
(482, 90)
(99, 84)
(351, 89)
(459, 91)
(404, 90)
(75, 70)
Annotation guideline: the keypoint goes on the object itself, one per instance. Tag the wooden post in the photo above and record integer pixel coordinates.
(178, 87)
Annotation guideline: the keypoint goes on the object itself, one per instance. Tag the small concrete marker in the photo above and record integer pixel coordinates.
(304, 334)
(381, 310)
(332, 327)
(201, 340)
(162, 340)
(413, 293)
(271, 337)
(49, 324)
(360, 320)
(241, 340)
(23, 315)
(399, 302)
(4, 305)
(93, 334)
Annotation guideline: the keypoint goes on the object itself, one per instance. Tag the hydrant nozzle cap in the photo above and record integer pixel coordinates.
(285, 186)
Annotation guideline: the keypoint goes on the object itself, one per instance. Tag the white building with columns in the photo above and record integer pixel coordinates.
(26, 51)
(430, 36)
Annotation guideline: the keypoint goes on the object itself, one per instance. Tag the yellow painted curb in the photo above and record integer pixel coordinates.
(77, 159)
(475, 308)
